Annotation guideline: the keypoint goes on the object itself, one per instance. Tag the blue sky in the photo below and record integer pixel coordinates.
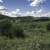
(26, 5)
(47, 5)
(23, 4)
(17, 4)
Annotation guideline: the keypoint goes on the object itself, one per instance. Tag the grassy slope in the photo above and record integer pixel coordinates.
(37, 37)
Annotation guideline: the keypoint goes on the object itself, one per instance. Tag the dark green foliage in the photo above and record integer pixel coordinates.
(19, 32)
(10, 29)
(48, 26)
(4, 17)
(45, 46)
(42, 19)
(6, 29)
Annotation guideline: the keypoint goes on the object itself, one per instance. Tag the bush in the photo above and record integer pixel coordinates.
(48, 26)
(20, 32)
(6, 30)
(11, 30)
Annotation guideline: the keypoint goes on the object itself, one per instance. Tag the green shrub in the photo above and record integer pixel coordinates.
(12, 30)
(6, 30)
(48, 26)
(19, 32)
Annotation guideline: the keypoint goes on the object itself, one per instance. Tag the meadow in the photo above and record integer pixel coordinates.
(24, 33)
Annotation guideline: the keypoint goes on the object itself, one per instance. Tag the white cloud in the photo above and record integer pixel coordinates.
(29, 13)
(42, 13)
(32, 13)
(3, 8)
(36, 2)
(39, 11)
(18, 12)
(1, 1)
(14, 13)
(47, 14)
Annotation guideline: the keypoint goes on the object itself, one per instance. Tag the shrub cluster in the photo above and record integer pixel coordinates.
(12, 30)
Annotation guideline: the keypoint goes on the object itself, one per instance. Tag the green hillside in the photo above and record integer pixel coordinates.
(24, 33)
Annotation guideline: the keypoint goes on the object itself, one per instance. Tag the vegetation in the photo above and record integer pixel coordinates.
(24, 33)
(48, 26)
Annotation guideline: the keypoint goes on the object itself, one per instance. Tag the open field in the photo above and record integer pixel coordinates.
(24, 34)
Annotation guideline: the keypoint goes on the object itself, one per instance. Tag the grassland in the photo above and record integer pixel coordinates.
(34, 34)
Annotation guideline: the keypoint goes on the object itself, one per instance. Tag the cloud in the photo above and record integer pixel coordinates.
(14, 13)
(29, 13)
(42, 13)
(3, 8)
(36, 2)
(39, 11)
(1, 1)
(47, 14)
(4, 11)
(18, 12)
(32, 13)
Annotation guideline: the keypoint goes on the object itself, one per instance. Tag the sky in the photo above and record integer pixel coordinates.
(14, 8)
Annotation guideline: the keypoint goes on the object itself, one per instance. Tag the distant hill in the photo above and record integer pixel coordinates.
(24, 18)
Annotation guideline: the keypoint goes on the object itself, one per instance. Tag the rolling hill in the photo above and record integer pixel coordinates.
(24, 33)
